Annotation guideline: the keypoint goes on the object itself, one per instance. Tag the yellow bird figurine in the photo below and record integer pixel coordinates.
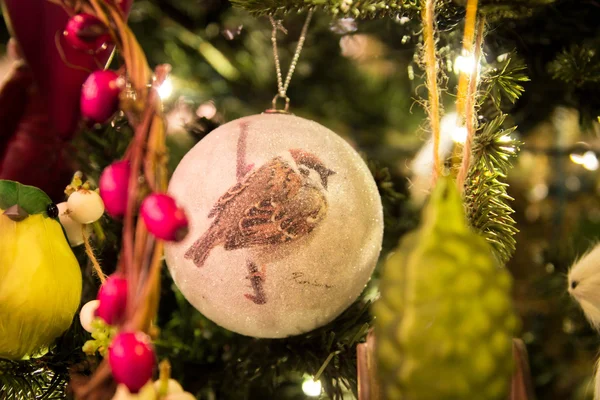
(40, 278)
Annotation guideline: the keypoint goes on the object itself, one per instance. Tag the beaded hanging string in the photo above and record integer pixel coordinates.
(282, 86)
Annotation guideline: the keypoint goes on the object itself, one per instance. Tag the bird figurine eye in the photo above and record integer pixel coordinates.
(574, 284)
(52, 210)
(304, 171)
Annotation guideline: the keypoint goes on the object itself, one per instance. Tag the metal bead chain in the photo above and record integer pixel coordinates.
(281, 86)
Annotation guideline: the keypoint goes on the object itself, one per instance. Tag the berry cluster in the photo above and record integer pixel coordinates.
(101, 90)
(130, 354)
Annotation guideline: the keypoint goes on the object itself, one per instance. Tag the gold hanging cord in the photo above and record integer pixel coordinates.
(281, 85)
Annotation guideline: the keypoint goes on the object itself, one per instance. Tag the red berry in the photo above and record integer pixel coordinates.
(113, 299)
(131, 360)
(163, 218)
(100, 95)
(87, 33)
(114, 187)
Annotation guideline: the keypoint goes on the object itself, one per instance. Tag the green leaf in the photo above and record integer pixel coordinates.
(31, 199)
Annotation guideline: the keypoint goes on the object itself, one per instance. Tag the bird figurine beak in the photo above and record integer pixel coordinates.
(16, 213)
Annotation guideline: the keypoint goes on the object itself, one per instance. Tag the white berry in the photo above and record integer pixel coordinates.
(86, 315)
(180, 396)
(85, 206)
(172, 387)
(146, 393)
(73, 228)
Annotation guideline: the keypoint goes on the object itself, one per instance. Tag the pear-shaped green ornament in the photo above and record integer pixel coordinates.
(40, 279)
(444, 322)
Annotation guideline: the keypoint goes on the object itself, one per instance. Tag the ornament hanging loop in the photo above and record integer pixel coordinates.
(281, 85)
(275, 110)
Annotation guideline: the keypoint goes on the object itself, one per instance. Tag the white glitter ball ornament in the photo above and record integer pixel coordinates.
(286, 226)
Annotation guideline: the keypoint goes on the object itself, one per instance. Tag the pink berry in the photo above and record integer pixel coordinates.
(100, 95)
(131, 360)
(113, 299)
(86, 32)
(114, 187)
(163, 218)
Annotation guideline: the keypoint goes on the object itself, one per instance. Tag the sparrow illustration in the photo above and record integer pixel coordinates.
(281, 201)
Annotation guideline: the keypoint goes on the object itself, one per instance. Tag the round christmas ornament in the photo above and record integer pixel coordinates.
(285, 226)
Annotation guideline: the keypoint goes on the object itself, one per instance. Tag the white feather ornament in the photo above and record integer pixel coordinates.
(584, 286)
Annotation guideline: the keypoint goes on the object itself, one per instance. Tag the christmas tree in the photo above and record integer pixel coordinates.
(229, 254)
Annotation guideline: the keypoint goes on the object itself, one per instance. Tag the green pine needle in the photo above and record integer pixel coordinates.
(364, 9)
(487, 201)
(578, 65)
(505, 82)
(43, 378)
(496, 10)
(30, 380)
(349, 8)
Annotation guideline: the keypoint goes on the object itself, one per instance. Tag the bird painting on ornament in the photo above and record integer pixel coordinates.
(280, 202)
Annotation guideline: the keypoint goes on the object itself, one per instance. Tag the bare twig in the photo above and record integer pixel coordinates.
(90, 253)
(470, 120)
(428, 16)
(368, 384)
(467, 51)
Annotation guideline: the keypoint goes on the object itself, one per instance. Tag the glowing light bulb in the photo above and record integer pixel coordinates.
(207, 110)
(539, 192)
(166, 89)
(502, 57)
(459, 134)
(505, 139)
(590, 161)
(464, 64)
(450, 127)
(311, 387)
(576, 158)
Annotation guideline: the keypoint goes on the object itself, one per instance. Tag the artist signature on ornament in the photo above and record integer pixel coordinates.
(299, 278)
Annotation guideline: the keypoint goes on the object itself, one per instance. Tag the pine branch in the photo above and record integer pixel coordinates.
(579, 65)
(347, 8)
(98, 147)
(504, 83)
(485, 192)
(496, 10)
(370, 9)
(486, 198)
(30, 380)
(43, 378)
